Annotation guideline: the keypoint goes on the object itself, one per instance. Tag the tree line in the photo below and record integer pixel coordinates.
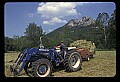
(104, 37)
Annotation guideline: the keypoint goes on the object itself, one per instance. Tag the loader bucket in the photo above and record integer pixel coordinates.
(13, 70)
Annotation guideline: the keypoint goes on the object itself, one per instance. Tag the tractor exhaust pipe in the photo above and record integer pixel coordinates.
(41, 45)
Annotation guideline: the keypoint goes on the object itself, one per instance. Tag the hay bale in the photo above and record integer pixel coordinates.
(83, 44)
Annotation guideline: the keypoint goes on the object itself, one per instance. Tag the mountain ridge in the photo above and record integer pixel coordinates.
(84, 21)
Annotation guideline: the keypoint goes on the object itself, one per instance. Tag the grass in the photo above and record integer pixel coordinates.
(102, 65)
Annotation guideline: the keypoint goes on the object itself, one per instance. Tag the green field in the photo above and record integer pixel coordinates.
(102, 65)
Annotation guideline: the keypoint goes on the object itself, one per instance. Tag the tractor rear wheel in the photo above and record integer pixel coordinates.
(73, 61)
(41, 68)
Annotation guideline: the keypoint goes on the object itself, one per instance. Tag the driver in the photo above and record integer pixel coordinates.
(62, 49)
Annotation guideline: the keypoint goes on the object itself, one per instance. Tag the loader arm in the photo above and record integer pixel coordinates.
(22, 59)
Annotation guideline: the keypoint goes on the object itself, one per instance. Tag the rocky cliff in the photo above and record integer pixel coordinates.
(84, 21)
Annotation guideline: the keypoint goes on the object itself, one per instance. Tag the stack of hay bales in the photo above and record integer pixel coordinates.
(84, 44)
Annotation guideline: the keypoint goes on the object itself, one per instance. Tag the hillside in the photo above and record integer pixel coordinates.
(75, 29)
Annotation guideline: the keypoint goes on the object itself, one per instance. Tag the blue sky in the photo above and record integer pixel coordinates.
(50, 15)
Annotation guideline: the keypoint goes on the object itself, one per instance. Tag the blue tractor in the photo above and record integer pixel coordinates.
(39, 62)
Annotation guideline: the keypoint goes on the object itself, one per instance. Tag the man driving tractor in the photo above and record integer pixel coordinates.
(62, 49)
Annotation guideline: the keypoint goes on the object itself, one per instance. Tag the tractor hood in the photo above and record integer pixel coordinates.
(43, 49)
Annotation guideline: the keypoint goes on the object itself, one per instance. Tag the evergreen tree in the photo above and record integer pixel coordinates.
(33, 33)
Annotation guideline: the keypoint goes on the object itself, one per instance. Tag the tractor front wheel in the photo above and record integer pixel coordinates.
(41, 68)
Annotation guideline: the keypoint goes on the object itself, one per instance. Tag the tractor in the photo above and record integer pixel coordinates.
(40, 62)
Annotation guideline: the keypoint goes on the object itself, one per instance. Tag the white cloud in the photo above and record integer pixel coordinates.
(56, 11)
(41, 4)
(83, 3)
(50, 30)
(54, 20)
(30, 15)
